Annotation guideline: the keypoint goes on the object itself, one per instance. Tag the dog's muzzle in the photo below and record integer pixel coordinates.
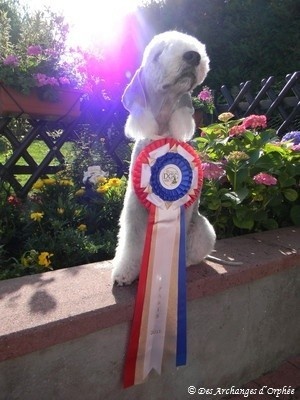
(187, 77)
(192, 58)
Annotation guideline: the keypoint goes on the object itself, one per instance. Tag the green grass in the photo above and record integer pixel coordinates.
(38, 150)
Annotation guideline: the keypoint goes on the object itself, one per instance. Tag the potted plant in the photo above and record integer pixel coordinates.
(37, 77)
(204, 107)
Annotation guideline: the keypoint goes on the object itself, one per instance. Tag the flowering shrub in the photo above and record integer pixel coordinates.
(251, 177)
(59, 225)
(38, 58)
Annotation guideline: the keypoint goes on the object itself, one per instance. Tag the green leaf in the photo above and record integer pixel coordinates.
(254, 156)
(243, 223)
(295, 214)
(270, 224)
(273, 148)
(270, 161)
(232, 197)
(285, 180)
(237, 178)
(290, 194)
(260, 215)
(214, 204)
(242, 193)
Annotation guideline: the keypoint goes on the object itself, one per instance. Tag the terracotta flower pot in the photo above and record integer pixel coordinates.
(198, 118)
(16, 104)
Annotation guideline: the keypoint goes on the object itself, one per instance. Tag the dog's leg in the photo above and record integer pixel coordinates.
(133, 222)
(200, 236)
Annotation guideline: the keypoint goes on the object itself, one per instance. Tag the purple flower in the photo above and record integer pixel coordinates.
(294, 136)
(51, 52)
(296, 147)
(11, 60)
(35, 50)
(64, 80)
(43, 80)
(205, 94)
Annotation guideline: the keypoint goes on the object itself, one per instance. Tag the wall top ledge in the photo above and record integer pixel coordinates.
(42, 310)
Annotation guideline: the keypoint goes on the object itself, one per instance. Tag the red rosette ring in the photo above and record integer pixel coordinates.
(167, 173)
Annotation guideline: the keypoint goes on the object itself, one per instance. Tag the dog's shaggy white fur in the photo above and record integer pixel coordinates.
(159, 102)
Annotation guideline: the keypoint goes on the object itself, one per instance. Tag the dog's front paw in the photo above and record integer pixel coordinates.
(124, 276)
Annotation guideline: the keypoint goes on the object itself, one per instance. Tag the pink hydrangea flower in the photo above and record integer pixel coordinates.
(205, 94)
(237, 130)
(255, 121)
(212, 170)
(11, 60)
(34, 50)
(296, 147)
(265, 179)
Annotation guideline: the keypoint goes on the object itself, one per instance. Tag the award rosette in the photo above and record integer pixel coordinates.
(167, 178)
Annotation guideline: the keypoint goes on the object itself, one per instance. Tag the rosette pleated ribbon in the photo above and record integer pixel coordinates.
(167, 178)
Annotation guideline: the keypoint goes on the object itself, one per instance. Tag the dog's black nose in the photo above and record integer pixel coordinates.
(192, 58)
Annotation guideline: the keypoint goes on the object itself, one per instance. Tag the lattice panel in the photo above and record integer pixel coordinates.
(106, 119)
(282, 107)
(21, 162)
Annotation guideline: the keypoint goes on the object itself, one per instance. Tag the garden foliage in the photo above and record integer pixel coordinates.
(251, 184)
(63, 222)
(252, 178)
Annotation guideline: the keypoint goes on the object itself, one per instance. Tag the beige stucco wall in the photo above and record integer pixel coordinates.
(233, 337)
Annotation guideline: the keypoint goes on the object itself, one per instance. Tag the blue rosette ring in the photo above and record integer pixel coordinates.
(167, 173)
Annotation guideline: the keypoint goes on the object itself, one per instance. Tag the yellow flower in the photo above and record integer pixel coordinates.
(115, 182)
(103, 188)
(60, 210)
(36, 216)
(65, 182)
(38, 184)
(225, 116)
(82, 227)
(80, 192)
(44, 259)
(49, 181)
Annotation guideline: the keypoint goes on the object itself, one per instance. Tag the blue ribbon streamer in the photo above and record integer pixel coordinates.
(181, 305)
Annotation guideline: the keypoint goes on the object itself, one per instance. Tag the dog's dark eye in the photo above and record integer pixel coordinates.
(156, 56)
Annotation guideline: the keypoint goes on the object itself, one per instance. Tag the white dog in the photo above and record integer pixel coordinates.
(159, 102)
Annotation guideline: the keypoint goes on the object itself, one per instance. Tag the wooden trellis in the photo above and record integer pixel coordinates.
(104, 121)
(282, 107)
(107, 118)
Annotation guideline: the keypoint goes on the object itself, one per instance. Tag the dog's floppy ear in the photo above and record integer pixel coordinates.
(141, 122)
(134, 99)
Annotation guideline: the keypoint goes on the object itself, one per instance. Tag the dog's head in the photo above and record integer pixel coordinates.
(159, 95)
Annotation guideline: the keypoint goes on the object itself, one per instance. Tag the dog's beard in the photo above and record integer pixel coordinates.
(184, 82)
